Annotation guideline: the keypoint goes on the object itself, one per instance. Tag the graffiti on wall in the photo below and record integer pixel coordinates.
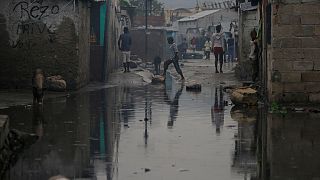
(35, 10)
(31, 18)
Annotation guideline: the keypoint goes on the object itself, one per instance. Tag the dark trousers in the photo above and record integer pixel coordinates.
(218, 57)
(207, 53)
(157, 68)
(176, 66)
(255, 70)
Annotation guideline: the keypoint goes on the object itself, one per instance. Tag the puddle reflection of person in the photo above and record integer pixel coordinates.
(38, 120)
(217, 111)
(174, 106)
(127, 107)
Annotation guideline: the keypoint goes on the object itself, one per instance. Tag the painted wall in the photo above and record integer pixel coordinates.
(44, 34)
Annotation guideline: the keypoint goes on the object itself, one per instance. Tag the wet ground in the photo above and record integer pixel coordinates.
(161, 132)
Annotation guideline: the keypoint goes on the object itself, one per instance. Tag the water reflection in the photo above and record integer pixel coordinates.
(113, 133)
(174, 104)
(217, 110)
(244, 157)
(127, 109)
(38, 120)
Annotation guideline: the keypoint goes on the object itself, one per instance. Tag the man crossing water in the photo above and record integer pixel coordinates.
(174, 58)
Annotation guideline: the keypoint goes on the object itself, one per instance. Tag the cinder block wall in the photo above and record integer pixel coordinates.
(295, 51)
(52, 35)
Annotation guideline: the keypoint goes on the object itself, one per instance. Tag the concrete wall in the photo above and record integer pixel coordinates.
(295, 51)
(45, 34)
(248, 21)
(113, 31)
(157, 44)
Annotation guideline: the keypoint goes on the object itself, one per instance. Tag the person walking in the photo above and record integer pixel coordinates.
(207, 48)
(174, 58)
(218, 44)
(124, 44)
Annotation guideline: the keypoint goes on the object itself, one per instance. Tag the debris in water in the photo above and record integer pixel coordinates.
(298, 109)
(183, 170)
(147, 170)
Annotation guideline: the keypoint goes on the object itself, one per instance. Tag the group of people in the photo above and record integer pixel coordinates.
(125, 42)
(220, 47)
(216, 44)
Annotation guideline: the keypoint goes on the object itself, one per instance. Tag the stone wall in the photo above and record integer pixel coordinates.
(295, 51)
(52, 35)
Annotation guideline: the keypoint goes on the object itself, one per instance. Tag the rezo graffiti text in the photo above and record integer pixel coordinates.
(35, 11)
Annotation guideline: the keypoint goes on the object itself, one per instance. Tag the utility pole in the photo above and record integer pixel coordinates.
(146, 33)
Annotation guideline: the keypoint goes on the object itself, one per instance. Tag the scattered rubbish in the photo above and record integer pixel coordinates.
(173, 165)
(183, 170)
(157, 79)
(314, 110)
(135, 172)
(56, 83)
(193, 86)
(147, 170)
(244, 95)
(298, 109)
(59, 177)
(231, 126)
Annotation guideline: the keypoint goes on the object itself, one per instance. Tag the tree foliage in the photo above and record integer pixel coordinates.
(154, 7)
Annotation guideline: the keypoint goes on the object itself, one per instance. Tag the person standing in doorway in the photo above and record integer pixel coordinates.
(174, 58)
(207, 48)
(254, 51)
(124, 44)
(218, 44)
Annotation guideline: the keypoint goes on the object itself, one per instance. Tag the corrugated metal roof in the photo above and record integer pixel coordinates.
(199, 15)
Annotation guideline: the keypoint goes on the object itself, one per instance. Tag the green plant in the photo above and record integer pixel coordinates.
(276, 108)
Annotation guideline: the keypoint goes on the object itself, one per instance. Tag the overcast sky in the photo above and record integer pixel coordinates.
(172, 4)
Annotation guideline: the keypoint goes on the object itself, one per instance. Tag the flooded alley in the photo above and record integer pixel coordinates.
(135, 132)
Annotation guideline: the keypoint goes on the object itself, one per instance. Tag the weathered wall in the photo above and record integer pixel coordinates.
(113, 58)
(248, 21)
(295, 51)
(157, 44)
(45, 34)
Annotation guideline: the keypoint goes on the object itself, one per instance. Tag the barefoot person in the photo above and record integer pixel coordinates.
(124, 44)
(174, 58)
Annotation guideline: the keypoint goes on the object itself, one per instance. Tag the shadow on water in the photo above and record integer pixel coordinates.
(137, 132)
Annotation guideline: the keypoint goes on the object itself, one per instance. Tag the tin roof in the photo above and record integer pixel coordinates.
(199, 15)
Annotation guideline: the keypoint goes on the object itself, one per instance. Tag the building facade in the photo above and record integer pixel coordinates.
(207, 18)
(51, 35)
(74, 39)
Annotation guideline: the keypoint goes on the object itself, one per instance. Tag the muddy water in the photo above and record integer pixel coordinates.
(156, 132)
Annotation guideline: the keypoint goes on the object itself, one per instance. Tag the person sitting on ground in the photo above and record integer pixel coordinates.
(174, 58)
